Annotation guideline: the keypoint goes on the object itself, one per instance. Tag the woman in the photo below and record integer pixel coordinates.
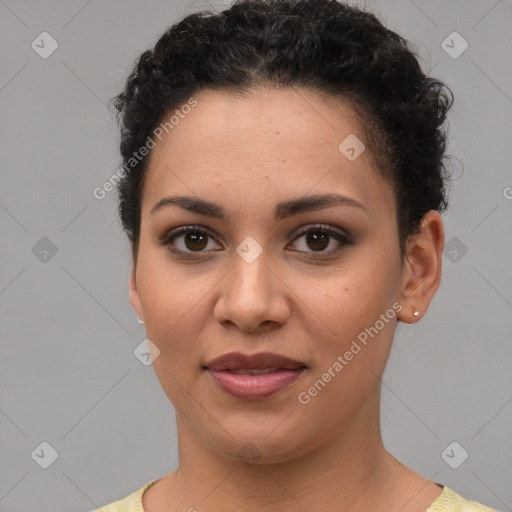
(283, 179)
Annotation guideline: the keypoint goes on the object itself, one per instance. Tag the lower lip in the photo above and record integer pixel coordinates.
(255, 386)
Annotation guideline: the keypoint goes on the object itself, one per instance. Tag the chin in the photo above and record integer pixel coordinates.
(261, 442)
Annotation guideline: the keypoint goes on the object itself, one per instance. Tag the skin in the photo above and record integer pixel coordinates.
(248, 153)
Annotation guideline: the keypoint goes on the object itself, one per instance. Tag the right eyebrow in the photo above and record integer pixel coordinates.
(192, 204)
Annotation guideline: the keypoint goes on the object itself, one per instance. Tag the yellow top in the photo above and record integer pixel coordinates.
(447, 501)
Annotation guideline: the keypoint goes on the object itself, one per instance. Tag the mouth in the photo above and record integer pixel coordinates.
(254, 376)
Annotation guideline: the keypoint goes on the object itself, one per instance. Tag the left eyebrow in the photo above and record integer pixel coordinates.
(282, 210)
(313, 203)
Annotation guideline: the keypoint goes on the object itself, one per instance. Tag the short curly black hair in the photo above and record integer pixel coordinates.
(334, 49)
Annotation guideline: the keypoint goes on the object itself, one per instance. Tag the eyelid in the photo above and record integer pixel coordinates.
(341, 236)
(321, 227)
(167, 236)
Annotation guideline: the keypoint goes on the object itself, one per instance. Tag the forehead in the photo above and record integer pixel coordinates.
(262, 144)
(273, 116)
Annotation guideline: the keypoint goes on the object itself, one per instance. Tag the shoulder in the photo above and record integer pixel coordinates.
(132, 502)
(450, 501)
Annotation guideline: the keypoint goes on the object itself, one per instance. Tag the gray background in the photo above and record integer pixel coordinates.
(68, 373)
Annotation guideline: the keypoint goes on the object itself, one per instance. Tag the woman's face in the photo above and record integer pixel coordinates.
(250, 282)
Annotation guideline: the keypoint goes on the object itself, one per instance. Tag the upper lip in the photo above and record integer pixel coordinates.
(261, 361)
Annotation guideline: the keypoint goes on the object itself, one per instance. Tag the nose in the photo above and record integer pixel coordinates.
(253, 296)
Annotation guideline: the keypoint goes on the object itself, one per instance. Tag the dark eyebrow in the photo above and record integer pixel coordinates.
(283, 210)
(312, 203)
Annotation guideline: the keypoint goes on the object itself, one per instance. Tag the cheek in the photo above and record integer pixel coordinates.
(169, 300)
(347, 314)
(174, 314)
(169, 291)
(353, 297)
(352, 344)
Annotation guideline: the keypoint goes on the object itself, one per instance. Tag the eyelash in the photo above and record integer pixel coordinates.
(170, 236)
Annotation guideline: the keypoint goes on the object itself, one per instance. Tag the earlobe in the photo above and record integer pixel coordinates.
(422, 267)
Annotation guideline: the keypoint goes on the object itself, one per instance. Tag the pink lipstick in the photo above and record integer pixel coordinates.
(254, 376)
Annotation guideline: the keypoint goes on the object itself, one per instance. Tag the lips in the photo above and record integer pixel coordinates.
(254, 376)
(261, 361)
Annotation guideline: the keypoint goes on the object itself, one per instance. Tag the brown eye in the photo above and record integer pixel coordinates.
(195, 241)
(319, 238)
(187, 240)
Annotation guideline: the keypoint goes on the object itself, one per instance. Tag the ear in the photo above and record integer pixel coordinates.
(421, 274)
(134, 294)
